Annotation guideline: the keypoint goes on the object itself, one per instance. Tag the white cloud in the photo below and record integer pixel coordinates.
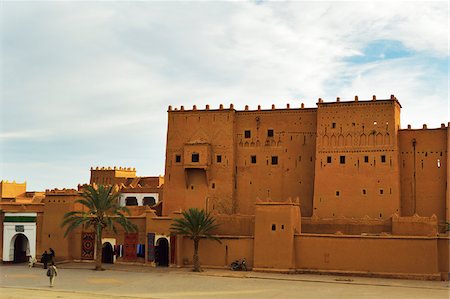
(103, 72)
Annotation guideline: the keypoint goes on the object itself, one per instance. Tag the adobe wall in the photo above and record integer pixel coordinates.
(357, 167)
(111, 176)
(56, 204)
(215, 254)
(423, 172)
(275, 227)
(288, 135)
(208, 184)
(413, 257)
(235, 225)
(346, 226)
(11, 190)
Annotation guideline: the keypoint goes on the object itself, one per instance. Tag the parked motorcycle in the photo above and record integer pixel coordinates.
(239, 265)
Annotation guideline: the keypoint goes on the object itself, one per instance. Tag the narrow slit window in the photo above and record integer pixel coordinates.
(338, 193)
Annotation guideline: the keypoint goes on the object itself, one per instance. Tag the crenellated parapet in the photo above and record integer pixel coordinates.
(97, 168)
(59, 192)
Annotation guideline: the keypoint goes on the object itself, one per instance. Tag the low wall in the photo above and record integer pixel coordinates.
(213, 253)
(414, 257)
(347, 226)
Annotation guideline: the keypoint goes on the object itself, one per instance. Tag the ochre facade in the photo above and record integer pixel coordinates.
(339, 188)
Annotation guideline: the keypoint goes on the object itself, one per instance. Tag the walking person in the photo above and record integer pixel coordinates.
(52, 272)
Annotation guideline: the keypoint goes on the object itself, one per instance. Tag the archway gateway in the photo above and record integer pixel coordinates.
(21, 248)
(19, 236)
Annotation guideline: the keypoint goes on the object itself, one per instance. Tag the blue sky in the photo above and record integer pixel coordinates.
(88, 83)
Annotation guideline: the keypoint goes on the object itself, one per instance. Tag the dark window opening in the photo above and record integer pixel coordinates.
(274, 160)
(366, 159)
(178, 158)
(253, 159)
(342, 159)
(195, 157)
(131, 201)
(364, 191)
(383, 159)
(247, 134)
(381, 191)
(219, 158)
(329, 159)
(213, 185)
(333, 125)
(192, 187)
(282, 226)
(149, 201)
(274, 227)
(270, 133)
(337, 193)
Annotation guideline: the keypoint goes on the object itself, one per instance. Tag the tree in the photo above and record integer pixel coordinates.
(195, 224)
(102, 212)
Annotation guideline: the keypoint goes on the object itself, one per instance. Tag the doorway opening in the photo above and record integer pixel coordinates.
(107, 253)
(21, 248)
(162, 252)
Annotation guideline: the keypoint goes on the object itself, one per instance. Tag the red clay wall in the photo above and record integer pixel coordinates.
(425, 194)
(391, 256)
(212, 253)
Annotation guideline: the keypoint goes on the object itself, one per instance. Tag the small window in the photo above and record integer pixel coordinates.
(195, 157)
(253, 159)
(333, 125)
(381, 191)
(282, 226)
(270, 133)
(131, 201)
(439, 163)
(247, 134)
(213, 185)
(337, 193)
(383, 159)
(274, 227)
(375, 123)
(178, 158)
(219, 158)
(149, 201)
(274, 160)
(364, 192)
(342, 159)
(366, 159)
(329, 159)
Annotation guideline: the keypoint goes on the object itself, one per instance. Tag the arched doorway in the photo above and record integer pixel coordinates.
(21, 247)
(162, 252)
(107, 253)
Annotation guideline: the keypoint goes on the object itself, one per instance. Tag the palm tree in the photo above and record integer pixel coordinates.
(103, 211)
(195, 224)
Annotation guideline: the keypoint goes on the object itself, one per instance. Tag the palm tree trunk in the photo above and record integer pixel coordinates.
(195, 258)
(98, 255)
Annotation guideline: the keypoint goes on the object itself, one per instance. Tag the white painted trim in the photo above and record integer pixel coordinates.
(10, 234)
(21, 214)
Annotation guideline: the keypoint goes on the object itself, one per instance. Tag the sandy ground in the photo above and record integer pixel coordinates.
(78, 280)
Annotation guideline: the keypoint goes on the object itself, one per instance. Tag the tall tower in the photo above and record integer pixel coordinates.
(357, 159)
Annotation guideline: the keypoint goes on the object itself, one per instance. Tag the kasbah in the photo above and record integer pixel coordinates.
(339, 188)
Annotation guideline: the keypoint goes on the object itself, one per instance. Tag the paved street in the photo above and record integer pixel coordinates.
(77, 280)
